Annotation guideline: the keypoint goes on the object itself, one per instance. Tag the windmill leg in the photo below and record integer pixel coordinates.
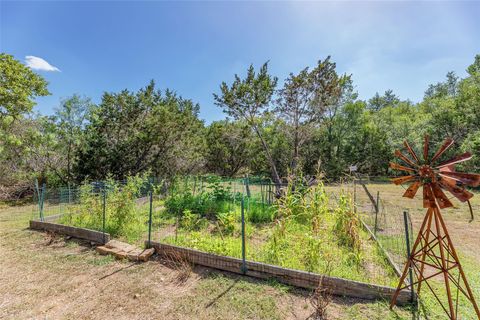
(460, 269)
(444, 265)
(410, 261)
(427, 237)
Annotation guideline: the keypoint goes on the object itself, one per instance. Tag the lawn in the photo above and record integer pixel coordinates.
(64, 279)
(214, 226)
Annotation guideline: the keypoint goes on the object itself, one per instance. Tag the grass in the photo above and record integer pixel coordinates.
(260, 238)
(67, 279)
(463, 231)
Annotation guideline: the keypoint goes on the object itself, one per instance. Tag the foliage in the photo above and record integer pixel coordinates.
(207, 202)
(229, 147)
(306, 99)
(227, 222)
(259, 212)
(346, 228)
(19, 85)
(191, 221)
(19, 134)
(246, 99)
(313, 123)
(122, 215)
(129, 133)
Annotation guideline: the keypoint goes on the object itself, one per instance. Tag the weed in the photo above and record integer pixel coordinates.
(320, 298)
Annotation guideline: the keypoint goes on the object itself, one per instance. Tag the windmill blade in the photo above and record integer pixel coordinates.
(469, 179)
(442, 199)
(400, 155)
(457, 159)
(425, 147)
(410, 150)
(450, 168)
(446, 144)
(412, 190)
(428, 197)
(457, 191)
(397, 166)
(402, 180)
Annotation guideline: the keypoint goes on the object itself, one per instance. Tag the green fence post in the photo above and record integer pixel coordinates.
(407, 238)
(244, 264)
(377, 208)
(42, 218)
(150, 220)
(354, 195)
(104, 212)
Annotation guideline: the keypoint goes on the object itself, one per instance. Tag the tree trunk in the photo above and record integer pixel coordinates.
(275, 177)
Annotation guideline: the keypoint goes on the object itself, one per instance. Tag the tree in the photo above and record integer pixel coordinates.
(247, 99)
(305, 98)
(378, 102)
(229, 147)
(448, 88)
(70, 120)
(129, 133)
(18, 87)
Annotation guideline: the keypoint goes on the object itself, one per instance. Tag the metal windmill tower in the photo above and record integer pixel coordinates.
(433, 254)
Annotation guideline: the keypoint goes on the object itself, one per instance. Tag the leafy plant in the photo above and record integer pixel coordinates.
(226, 222)
(122, 217)
(347, 227)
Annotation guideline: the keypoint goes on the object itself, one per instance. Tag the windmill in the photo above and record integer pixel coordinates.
(433, 254)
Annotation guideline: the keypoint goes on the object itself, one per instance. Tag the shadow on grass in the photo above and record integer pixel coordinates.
(119, 270)
(208, 305)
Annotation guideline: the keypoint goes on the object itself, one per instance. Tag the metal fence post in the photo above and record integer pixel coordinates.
(42, 200)
(247, 187)
(244, 264)
(104, 212)
(377, 208)
(407, 239)
(354, 195)
(150, 220)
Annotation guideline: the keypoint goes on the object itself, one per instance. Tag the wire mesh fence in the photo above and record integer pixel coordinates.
(290, 231)
(316, 231)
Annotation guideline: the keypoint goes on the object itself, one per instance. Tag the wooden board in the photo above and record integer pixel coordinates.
(80, 233)
(302, 279)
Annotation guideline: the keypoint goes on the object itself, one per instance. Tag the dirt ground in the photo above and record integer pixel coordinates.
(48, 277)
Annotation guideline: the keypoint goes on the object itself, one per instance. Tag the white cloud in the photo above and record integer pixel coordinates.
(37, 63)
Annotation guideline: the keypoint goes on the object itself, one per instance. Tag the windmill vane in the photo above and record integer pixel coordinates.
(434, 175)
(433, 253)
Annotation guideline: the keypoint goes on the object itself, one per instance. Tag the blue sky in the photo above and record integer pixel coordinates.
(192, 47)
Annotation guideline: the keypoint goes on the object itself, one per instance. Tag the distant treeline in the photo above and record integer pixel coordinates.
(313, 122)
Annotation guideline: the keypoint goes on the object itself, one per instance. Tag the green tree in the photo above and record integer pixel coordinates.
(247, 99)
(18, 87)
(229, 147)
(129, 133)
(378, 102)
(70, 120)
(304, 100)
